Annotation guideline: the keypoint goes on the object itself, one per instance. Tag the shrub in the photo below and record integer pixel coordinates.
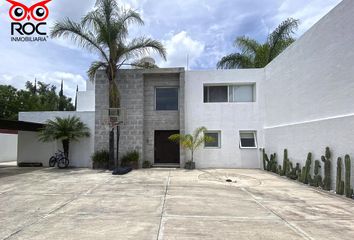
(100, 159)
(147, 164)
(130, 159)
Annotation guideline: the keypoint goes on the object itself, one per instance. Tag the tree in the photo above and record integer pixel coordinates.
(64, 129)
(105, 31)
(9, 104)
(256, 55)
(192, 142)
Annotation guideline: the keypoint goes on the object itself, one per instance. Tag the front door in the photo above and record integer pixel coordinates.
(165, 150)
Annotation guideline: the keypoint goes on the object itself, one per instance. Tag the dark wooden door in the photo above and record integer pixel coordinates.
(165, 150)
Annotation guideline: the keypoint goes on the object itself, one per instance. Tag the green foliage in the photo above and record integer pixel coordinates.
(192, 142)
(316, 181)
(285, 169)
(34, 98)
(326, 159)
(101, 156)
(105, 30)
(130, 157)
(293, 172)
(65, 129)
(256, 55)
(348, 189)
(265, 159)
(270, 165)
(339, 181)
(147, 164)
(305, 173)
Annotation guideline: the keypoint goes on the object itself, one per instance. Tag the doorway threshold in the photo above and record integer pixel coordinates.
(166, 165)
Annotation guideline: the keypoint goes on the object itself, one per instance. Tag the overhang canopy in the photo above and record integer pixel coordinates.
(20, 125)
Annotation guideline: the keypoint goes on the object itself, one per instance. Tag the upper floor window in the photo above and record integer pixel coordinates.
(167, 99)
(229, 93)
(215, 93)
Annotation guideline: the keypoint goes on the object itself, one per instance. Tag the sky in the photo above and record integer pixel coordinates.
(204, 30)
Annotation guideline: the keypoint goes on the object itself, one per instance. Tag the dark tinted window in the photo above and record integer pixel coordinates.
(215, 136)
(215, 93)
(166, 98)
(248, 140)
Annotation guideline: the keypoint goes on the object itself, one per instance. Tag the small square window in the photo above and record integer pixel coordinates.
(241, 93)
(166, 99)
(248, 139)
(216, 136)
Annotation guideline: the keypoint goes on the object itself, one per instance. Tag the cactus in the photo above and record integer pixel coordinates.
(285, 163)
(273, 163)
(293, 172)
(327, 170)
(305, 174)
(339, 181)
(348, 189)
(316, 181)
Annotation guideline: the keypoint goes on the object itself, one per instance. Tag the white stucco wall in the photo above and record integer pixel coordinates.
(229, 118)
(31, 150)
(309, 91)
(86, 101)
(8, 147)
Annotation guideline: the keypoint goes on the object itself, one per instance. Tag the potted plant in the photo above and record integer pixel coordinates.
(100, 159)
(130, 159)
(192, 142)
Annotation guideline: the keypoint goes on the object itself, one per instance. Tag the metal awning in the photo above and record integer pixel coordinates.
(20, 125)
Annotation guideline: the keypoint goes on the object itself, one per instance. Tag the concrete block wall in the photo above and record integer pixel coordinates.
(101, 112)
(159, 120)
(131, 89)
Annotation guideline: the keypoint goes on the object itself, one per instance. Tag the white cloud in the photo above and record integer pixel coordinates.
(178, 47)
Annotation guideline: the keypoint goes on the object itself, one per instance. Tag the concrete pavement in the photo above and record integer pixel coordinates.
(166, 204)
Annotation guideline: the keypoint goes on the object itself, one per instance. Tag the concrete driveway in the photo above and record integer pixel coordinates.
(167, 204)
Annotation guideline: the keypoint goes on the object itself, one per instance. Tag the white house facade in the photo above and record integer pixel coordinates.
(302, 101)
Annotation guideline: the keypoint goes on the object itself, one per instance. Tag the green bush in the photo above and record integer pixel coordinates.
(147, 164)
(101, 156)
(130, 159)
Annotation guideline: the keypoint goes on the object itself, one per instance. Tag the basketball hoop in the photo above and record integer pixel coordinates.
(116, 117)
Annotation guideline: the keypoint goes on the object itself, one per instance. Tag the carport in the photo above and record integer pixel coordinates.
(9, 127)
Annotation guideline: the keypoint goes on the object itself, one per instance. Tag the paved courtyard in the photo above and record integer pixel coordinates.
(166, 204)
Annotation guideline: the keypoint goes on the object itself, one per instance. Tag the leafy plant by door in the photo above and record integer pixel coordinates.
(192, 142)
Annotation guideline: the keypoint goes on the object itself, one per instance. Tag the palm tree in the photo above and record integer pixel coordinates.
(105, 30)
(64, 129)
(192, 142)
(256, 55)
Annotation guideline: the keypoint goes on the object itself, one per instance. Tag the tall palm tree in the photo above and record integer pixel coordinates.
(105, 30)
(256, 55)
(192, 141)
(64, 129)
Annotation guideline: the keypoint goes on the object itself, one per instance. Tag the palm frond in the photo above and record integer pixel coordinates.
(235, 60)
(75, 31)
(247, 45)
(143, 46)
(95, 66)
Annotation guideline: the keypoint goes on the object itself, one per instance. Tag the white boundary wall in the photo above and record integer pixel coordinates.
(309, 91)
(31, 150)
(8, 147)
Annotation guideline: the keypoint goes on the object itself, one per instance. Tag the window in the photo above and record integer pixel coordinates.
(229, 93)
(248, 139)
(241, 93)
(216, 136)
(215, 94)
(167, 99)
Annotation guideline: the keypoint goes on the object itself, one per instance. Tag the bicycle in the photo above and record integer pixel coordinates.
(59, 159)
